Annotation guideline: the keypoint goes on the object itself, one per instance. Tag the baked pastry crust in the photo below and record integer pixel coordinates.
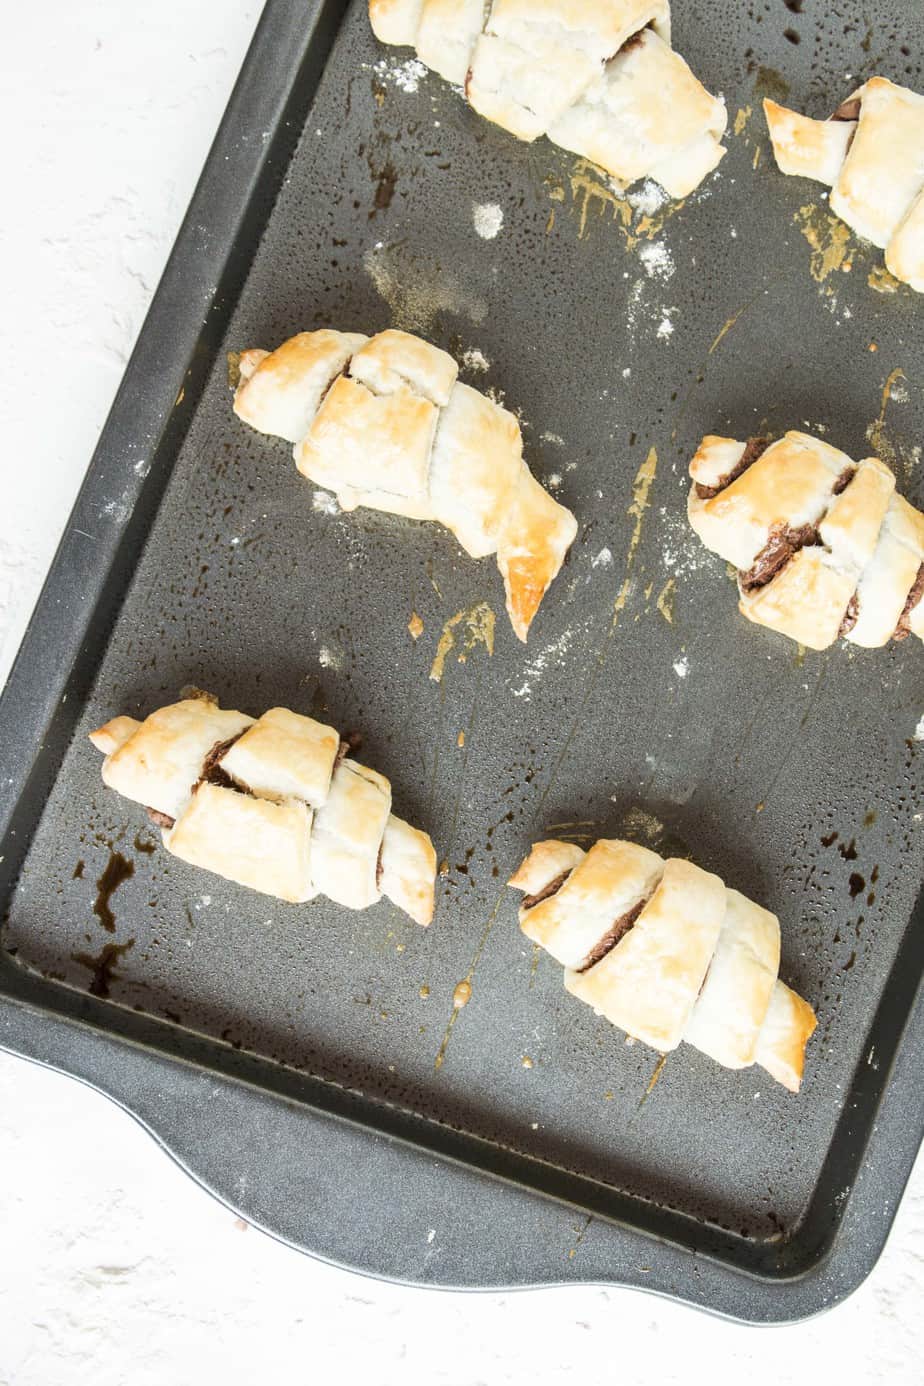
(385, 423)
(271, 803)
(871, 163)
(824, 547)
(599, 79)
(667, 952)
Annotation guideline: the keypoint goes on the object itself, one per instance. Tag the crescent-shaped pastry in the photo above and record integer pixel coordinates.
(869, 155)
(666, 952)
(383, 421)
(598, 77)
(273, 803)
(824, 547)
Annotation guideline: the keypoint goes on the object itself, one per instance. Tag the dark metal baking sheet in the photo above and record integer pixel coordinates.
(343, 189)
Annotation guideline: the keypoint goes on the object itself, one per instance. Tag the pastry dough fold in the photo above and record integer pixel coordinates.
(599, 79)
(873, 164)
(666, 952)
(270, 803)
(824, 547)
(385, 423)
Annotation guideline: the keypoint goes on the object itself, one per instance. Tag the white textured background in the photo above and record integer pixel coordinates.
(115, 1268)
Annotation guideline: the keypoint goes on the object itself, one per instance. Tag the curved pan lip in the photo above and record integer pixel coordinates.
(280, 1165)
(494, 1229)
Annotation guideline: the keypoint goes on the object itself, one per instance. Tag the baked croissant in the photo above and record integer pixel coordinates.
(666, 952)
(870, 155)
(598, 77)
(274, 803)
(824, 547)
(383, 421)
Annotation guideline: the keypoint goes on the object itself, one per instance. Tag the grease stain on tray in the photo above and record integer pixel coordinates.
(102, 966)
(117, 871)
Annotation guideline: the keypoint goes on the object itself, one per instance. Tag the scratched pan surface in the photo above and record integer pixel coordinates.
(642, 706)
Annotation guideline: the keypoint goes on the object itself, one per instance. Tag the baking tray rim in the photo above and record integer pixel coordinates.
(155, 402)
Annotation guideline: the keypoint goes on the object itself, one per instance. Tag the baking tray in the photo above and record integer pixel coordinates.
(306, 1064)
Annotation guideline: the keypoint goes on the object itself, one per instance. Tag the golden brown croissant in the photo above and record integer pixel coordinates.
(824, 547)
(273, 803)
(666, 952)
(384, 422)
(598, 77)
(869, 155)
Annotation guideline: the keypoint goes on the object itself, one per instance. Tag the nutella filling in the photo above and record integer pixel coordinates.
(530, 901)
(851, 616)
(848, 110)
(613, 935)
(348, 744)
(776, 553)
(160, 820)
(903, 629)
(755, 447)
(212, 772)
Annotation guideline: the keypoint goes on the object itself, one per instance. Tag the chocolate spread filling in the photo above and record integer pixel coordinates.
(633, 41)
(903, 629)
(851, 616)
(755, 448)
(212, 773)
(612, 936)
(844, 480)
(160, 820)
(348, 744)
(776, 553)
(378, 870)
(530, 901)
(848, 110)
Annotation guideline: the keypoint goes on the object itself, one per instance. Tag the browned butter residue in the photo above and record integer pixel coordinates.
(462, 994)
(876, 434)
(641, 489)
(741, 119)
(829, 239)
(477, 629)
(592, 190)
(882, 281)
(665, 602)
(416, 626)
(118, 870)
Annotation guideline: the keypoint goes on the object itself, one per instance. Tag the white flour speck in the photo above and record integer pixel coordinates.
(656, 259)
(665, 329)
(552, 438)
(329, 659)
(489, 218)
(553, 481)
(682, 667)
(603, 559)
(324, 502)
(475, 360)
(919, 731)
(554, 653)
(405, 76)
(647, 199)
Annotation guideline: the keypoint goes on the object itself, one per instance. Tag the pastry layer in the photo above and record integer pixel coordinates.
(823, 547)
(272, 803)
(599, 79)
(666, 952)
(384, 422)
(870, 155)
